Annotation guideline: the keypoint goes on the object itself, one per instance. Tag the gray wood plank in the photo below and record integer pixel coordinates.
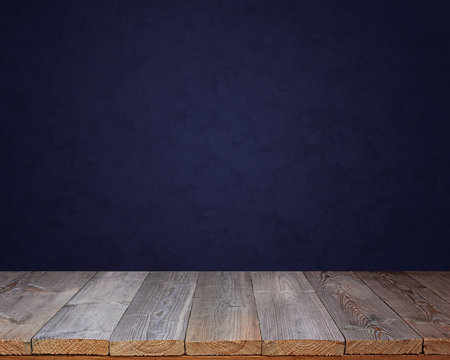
(367, 323)
(84, 325)
(30, 303)
(9, 279)
(292, 318)
(155, 323)
(421, 308)
(223, 318)
(437, 281)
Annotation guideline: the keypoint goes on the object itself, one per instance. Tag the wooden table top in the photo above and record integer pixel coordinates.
(225, 313)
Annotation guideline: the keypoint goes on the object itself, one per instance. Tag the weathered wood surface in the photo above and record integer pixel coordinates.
(9, 279)
(236, 357)
(28, 301)
(222, 313)
(155, 322)
(427, 313)
(293, 320)
(367, 323)
(85, 324)
(223, 319)
(437, 281)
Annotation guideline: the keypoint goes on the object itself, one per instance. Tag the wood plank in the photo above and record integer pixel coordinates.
(250, 357)
(280, 281)
(223, 318)
(9, 279)
(422, 309)
(292, 318)
(367, 323)
(437, 281)
(31, 302)
(85, 324)
(155, 323)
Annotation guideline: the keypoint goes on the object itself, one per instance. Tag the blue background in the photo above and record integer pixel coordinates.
(236, 134)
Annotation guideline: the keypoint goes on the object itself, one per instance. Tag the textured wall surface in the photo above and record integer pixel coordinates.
(235, 134)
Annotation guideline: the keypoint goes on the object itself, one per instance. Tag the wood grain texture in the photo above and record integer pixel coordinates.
(155, 323)
(9, 279)
(293, 320)
(31, 302)
(437, 281)
(421, 308)
(248, 357)
(85, 324)
(367, 323)
(223, 319)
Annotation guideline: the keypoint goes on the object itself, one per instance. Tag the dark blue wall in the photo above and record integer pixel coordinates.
(235, 134)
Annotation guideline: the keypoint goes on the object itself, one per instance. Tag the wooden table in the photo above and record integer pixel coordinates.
(186, 315)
